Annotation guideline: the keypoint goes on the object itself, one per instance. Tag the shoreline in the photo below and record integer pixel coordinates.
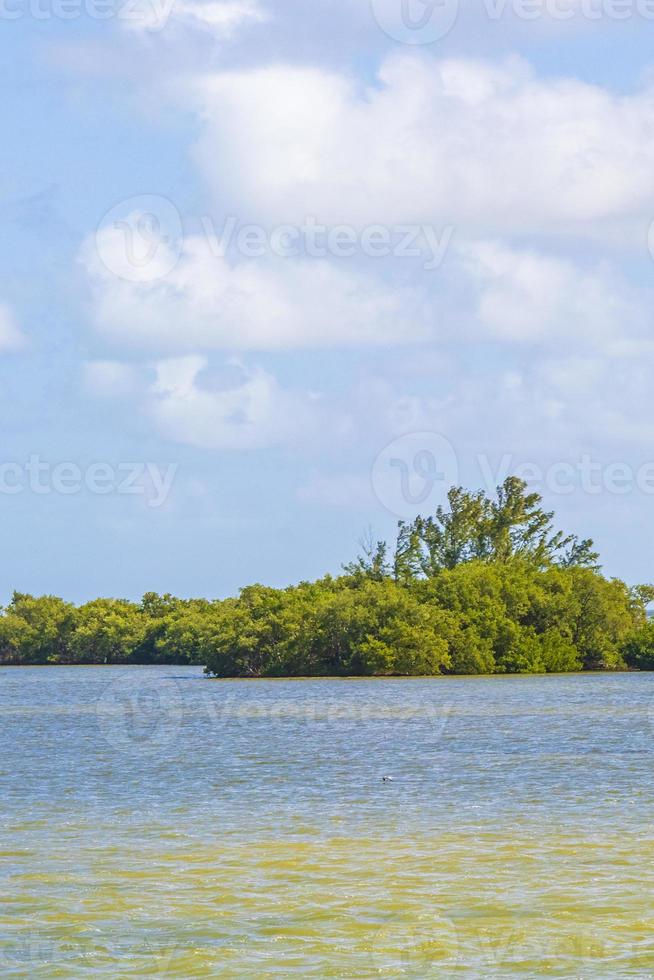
(336, 677)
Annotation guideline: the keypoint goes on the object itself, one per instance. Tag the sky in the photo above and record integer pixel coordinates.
(275, 274)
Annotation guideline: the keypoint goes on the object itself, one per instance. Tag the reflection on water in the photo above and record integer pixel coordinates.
(158, 824)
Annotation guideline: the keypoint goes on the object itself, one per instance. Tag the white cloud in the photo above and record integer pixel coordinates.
(221, 18)
(254, 414)
(598, 400)
(556, 406)
(491, 148)
(494, 150)
(209, 302)
(11, 337)
(524, 296)
(487, 291)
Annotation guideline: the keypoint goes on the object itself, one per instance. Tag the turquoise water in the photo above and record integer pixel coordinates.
(159, 824)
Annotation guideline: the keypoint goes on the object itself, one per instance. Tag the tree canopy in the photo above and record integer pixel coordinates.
(486, 585)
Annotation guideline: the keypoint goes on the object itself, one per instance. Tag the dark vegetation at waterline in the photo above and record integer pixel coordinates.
(484, 586)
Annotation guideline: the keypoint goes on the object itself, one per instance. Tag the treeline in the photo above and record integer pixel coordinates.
(483, 586)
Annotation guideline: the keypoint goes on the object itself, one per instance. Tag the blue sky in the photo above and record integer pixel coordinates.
(435, 267)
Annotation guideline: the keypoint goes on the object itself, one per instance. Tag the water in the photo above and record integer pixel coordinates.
(159, 824)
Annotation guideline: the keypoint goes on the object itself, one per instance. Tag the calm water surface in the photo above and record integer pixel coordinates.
(158, 824)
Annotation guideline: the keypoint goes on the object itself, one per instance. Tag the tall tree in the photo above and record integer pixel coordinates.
(476, 527)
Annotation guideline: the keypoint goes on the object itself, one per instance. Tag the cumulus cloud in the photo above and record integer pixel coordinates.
(220, 18)
(492, 148)
(206, 301)
(11, 337)
(526, 296)
(255, 413)
(486, 290)
(556, 406)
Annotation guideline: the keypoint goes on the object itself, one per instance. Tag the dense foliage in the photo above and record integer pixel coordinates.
(485, 586)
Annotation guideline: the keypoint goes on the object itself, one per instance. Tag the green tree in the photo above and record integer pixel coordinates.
(603, 618)
(36, 629)
(186, 635)
(474, 527)
(107, 631)
(376, 628)
(372, 562)
(484, 586)
(638, 649)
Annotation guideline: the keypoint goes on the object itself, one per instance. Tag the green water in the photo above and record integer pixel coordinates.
(158, 824)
